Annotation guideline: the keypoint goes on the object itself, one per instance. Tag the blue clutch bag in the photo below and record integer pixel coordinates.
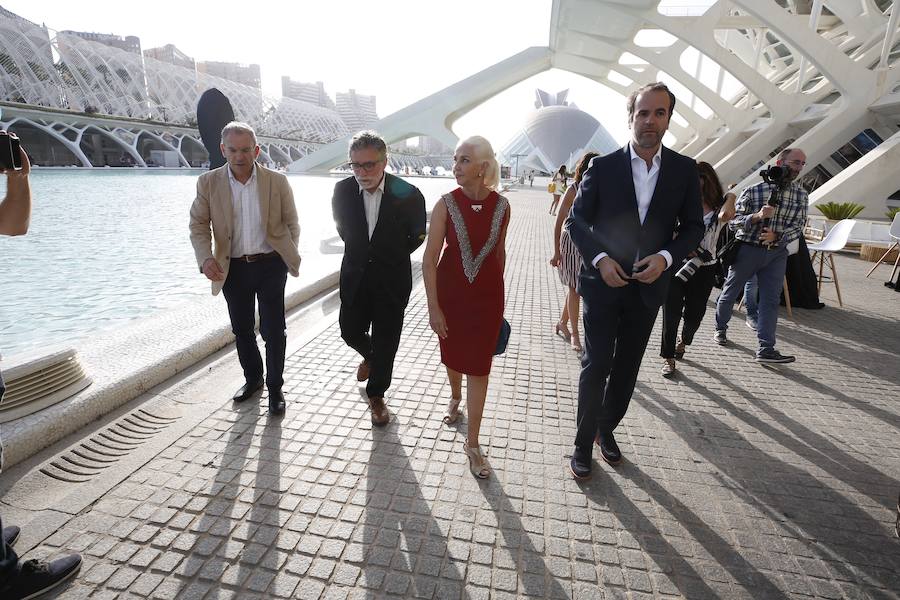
(503, 338)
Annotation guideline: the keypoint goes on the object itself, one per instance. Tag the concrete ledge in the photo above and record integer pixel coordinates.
(124, 363)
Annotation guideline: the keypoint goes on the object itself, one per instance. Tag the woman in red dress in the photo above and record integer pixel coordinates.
(465, 288)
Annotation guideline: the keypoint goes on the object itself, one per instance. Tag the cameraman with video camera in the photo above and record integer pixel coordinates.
(690, 288)
(770, 215)
(31, 578)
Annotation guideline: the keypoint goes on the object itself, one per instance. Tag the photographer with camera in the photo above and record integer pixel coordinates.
(693, 282)
(770, 215)
(31, 578)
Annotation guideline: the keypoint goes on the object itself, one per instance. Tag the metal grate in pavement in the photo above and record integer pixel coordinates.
(91, 457)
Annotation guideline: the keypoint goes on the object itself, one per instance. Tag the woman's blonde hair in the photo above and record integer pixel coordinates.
(484, 151)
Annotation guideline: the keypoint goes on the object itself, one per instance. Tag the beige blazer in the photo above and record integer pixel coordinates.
(213, 207)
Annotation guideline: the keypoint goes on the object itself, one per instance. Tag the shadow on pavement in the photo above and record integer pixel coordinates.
(606, 494)
(406, 547)
(806, 443)
(804, 516)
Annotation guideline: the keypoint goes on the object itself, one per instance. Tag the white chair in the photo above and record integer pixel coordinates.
(834, 241)
(895, 233)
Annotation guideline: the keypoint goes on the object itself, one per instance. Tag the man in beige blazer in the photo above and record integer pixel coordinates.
(248, 211)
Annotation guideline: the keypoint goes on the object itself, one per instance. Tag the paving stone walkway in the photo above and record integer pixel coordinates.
(739, 481)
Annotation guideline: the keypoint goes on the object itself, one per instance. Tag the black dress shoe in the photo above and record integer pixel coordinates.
(609, 450)
(580, 465)
(247, 390)
(276, 402)
(33, 578)
(11, 534)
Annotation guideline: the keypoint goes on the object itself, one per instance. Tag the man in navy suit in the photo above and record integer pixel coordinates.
(381, 219)
(636, 214)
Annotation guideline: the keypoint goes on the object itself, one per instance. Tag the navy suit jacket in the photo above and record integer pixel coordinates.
(604, 218)
(400, 230)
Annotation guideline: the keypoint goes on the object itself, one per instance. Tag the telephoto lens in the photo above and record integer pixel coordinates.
(689, 268)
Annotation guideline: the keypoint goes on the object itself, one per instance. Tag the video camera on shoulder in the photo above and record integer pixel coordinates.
(776, 175)
(10, 156)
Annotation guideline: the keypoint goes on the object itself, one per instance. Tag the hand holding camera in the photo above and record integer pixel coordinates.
(13, 159)
(766, 212)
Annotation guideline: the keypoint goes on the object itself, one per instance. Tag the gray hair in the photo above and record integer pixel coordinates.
(239, 127)
(368, 139)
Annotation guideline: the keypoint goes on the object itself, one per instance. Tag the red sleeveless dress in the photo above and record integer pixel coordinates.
(470, 281)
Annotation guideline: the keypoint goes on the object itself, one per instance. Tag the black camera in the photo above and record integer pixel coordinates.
(689, 268)
(10, 157)
(776, 175)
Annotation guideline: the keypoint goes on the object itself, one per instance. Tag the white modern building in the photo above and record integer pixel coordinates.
(556, 133)
(80, 102)
(172, 55)
(128, 43)
(357, 110)
(249, 75)
(751, 76)
(314, 93)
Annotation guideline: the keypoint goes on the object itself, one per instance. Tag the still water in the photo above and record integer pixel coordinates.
(107, 247)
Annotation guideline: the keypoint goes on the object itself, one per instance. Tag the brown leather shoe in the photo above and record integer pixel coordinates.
(380, 415)
(362, 371)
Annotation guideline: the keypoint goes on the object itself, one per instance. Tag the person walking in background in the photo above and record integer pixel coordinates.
(381, 219)
(531, 178)
(464, 284)
(249, 211)
(567, 260)
(637, 212)
(689, 296)
(30, 578)
(557, 187)
(764, 232)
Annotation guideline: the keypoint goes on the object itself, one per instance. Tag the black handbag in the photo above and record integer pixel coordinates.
(503, 338)
(726, 252)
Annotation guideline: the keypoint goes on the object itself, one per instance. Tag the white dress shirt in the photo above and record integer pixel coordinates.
(644, 180)
(248, 236)
(372, 204)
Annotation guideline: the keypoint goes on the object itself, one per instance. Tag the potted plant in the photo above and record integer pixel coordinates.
(838, 211)
(891, 212)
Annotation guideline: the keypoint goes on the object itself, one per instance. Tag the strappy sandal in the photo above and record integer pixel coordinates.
(453, 411)
(477, 465)
(563, 331)
(576, 344)
(679, 350)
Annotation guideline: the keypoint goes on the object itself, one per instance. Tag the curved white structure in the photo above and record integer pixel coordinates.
(115, 97)
(557, 133)
(751, 76)
(434, 115)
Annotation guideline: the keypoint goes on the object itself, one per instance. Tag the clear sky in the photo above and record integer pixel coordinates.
(398, 50)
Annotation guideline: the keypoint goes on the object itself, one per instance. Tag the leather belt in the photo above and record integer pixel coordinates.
(255, 257)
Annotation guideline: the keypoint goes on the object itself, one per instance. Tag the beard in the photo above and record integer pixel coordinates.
(648, 138)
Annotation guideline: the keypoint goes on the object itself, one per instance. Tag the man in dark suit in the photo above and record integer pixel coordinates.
(381, 219)
(636, 214)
